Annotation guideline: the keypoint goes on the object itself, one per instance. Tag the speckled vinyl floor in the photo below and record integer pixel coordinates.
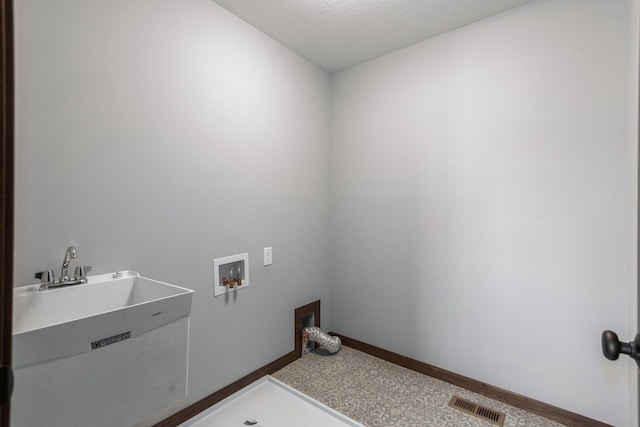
(378, 393)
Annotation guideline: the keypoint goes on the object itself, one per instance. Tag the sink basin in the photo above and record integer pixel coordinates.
(109, 308)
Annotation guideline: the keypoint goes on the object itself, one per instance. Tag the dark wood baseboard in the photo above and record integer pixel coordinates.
(530, 405)
(212, 399)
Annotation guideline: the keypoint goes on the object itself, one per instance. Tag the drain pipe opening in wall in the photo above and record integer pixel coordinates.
(315, 334)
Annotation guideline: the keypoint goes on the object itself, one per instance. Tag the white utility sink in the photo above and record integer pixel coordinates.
(109, 308)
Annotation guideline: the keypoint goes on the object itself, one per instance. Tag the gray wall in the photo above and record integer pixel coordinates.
(157, 135)
(484, 202)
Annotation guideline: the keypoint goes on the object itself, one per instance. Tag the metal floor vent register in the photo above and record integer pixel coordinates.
(479, 411)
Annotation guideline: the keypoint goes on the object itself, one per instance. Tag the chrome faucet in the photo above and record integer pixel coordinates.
(71, 253)
(47, 279)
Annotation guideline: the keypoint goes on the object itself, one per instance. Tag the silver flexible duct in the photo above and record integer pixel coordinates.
(330, 343)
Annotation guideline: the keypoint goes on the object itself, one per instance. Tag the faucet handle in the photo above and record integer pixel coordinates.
(81, 272)
(46, 277)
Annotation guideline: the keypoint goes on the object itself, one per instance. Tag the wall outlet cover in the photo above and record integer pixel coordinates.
(268, 256)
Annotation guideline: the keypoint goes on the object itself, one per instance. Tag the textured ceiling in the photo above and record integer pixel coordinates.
(336, 34)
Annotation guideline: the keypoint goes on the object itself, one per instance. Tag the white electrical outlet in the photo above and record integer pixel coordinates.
(268, 256)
